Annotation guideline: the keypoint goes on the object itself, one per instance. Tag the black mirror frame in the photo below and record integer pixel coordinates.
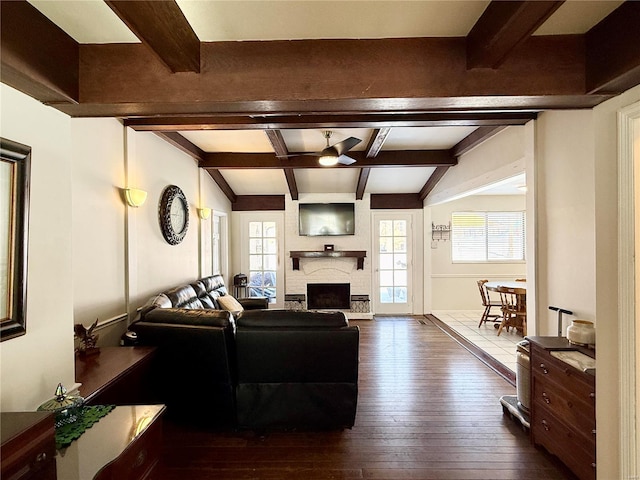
(20, 156)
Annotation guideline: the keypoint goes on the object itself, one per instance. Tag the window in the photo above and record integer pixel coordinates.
(263, 260)
(487, 237)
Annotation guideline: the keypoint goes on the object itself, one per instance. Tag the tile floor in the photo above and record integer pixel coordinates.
(465, 322)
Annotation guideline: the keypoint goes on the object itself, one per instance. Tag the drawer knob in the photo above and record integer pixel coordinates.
(546, 398)
(593, 465)
(546, 425)
(592, 395)
(544, 368)
(41, 457)
(140, 459)
(569, 404)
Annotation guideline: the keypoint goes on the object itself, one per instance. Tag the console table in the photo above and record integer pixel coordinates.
(117, 375)
(359, 255)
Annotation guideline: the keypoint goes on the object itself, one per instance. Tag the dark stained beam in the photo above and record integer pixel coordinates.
(502, 27)
(281, 151)
(246, 203)
(362, 182)
(379, 121)
(222, 183)
(161, 25)
(474, 139)
(376, 141)
(181, 143)
(37, 57)
(408, 158)
(380, 201)
(433, 180)
(613, 51)
(374, 146)
(411, 75)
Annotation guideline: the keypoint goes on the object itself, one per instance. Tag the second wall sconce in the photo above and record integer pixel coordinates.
(135, 197)
(204, 213)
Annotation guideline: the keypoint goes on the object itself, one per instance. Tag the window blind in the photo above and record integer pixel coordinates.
(487, 236)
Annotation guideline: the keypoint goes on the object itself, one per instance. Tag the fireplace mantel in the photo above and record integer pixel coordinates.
(359, 255)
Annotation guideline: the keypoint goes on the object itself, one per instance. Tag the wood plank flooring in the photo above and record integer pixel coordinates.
(427, 409)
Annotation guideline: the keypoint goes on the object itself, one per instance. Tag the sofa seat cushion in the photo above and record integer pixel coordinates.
(288, 318)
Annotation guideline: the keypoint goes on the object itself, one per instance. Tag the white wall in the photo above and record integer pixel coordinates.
(565, 199)
(454, 285)
(501, 157)
(33, 364)
(89, 255)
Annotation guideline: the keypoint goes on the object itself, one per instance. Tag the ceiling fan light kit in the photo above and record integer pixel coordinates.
(334, 154)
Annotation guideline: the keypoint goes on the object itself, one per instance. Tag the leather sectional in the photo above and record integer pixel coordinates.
(257, 369)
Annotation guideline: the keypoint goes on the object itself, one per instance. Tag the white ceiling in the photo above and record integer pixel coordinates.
(92, 21)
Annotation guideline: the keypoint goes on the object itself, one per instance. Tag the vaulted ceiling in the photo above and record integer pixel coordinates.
(243, 86)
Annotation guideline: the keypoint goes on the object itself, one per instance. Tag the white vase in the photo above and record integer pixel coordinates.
(582, 333)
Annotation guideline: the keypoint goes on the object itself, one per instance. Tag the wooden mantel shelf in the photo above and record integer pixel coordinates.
(358, 254)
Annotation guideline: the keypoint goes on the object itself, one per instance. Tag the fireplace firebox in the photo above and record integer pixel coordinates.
(326, 296)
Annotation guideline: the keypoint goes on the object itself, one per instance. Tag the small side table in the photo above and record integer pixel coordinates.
(240, 291)
(125, 444)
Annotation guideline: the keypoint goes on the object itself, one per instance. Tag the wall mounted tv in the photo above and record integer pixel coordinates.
(326, 219)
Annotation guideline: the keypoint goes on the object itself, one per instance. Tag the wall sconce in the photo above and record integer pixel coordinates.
(204, 213)
(135, 197)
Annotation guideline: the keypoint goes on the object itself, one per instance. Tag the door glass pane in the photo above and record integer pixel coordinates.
(393, 277)
(263, 260)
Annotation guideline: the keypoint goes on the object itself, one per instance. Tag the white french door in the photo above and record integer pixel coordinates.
(393, 254)
(261, 256)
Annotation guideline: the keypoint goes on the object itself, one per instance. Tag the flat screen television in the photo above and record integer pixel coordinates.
(326, 219)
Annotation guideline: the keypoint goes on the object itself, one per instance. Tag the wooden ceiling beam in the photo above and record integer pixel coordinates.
(613, 51)
(363, 178)
(281, 151)
(182, 144)
(380, 121)
(411, 74)
(37, 57)
(474, 139)
(407, 158)
(161, 26)
(378, 137)
(222, 183)
(502, 27)
(433, 180)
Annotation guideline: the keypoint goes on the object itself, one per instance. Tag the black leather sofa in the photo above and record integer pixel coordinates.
(262, 369)
(296, 370)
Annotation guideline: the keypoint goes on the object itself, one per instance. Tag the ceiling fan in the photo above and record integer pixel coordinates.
(334, 154)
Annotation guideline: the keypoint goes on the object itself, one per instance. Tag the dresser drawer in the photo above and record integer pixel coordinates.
(139, 460)
(565, 404)
(579, 383)
(28, 446)
(572, 448)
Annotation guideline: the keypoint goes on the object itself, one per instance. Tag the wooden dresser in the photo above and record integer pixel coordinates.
(28, 446)
(563, 401)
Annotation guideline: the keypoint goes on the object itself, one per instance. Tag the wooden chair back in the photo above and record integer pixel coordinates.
(483, 293)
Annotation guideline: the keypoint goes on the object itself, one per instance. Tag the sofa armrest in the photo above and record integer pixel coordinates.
(187, 316)
(254, 303)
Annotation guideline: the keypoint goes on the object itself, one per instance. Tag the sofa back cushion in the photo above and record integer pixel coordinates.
(184, 296)
(291, 319)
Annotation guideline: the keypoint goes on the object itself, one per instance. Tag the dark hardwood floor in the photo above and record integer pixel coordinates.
(427, 409)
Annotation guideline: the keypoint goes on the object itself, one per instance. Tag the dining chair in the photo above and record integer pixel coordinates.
(514, 309)
(487, 303)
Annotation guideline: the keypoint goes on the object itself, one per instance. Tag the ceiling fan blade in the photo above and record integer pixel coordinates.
(312, 154)
(346, 145)
(344, 160)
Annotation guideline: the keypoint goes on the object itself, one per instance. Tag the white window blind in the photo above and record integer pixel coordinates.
(487, 236)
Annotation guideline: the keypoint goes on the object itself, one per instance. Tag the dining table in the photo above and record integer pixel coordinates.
(493, 286)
